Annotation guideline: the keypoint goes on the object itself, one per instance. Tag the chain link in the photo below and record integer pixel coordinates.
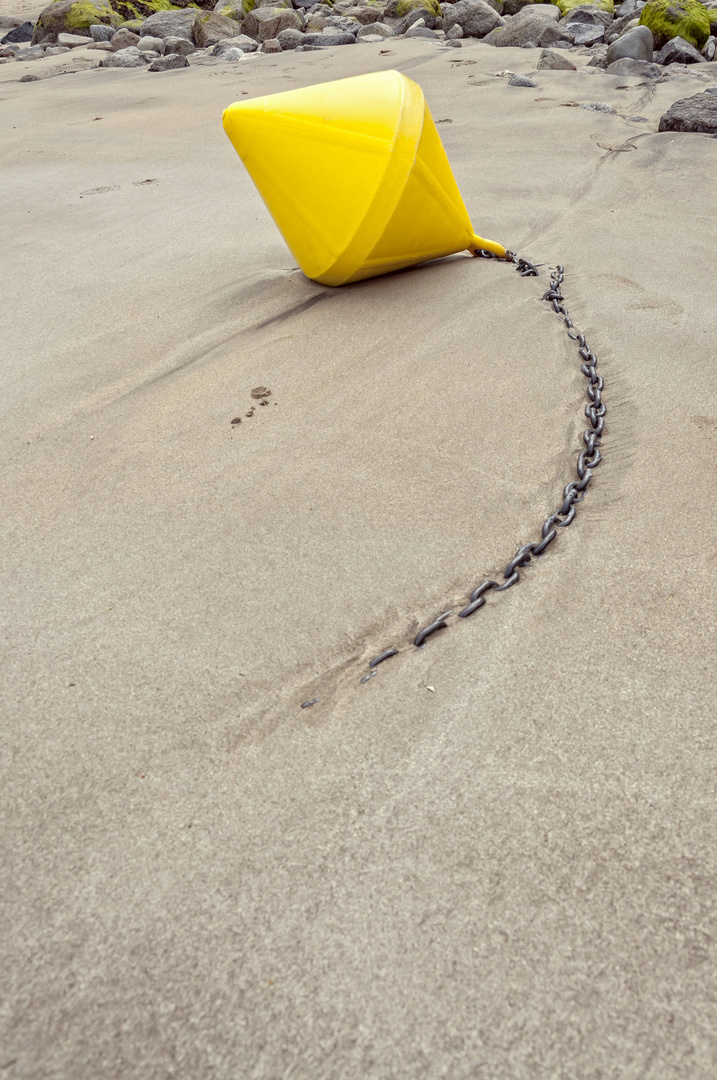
(573, 493)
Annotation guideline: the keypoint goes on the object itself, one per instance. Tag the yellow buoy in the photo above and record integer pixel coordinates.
(355, 176)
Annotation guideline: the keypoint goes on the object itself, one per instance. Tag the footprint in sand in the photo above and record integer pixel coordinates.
(99, 190)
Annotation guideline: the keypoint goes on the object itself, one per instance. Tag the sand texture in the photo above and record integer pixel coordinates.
(509, 877)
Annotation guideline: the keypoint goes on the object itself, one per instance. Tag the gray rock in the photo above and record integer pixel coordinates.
(628, 66)
(124, 39)
(100, 46)
(35, 52)
(527, 25)
(418, 15)
(126, 58)
(327, 41)
(620, 26)
(554, 61)
(597, 106)
(424, 32)
(585, 33)
(23, 32)
(696, 114)
(456, 31)
(588, 13)
(599, 60)
(271, 45)
(168, 63)
(30, 78)
(679, 51)
(630, 8)
(476, 18)
(232, 56)
(211, 27)
(8, 51)
(371, 29)
(166, 24)
(99, 32)
(180, 45)
(344, 24)
(289, 39)
(151, 44)
(521, 80)
(636, 44)
(552, 34)
(268, 22)
(241, 41)
(73, 41)
(233, 9)
(710, 48)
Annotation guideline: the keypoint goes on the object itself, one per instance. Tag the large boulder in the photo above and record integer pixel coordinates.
(73, 17)
(679, 51)
(697, 113)
(476, 18)
(526, 26)
(268, 22)
(669, 19)
(635, 44)
(166, 24)
(211, 27)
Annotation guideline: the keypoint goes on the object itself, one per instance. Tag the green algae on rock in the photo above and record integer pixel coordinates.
(668, 19)
(566, 6)
(237, 9)
(77, 16)
(396, 9)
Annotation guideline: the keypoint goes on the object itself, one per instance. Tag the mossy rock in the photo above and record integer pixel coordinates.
(566, 6)
(77, 16)
(236, 9)
(668, 19)
(396, 9)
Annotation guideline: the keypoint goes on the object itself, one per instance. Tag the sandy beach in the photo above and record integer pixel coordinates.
(494, 859)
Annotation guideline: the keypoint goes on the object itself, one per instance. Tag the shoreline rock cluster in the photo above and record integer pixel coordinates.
(640, 37)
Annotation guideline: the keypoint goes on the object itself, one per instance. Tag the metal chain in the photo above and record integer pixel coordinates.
(573, 494)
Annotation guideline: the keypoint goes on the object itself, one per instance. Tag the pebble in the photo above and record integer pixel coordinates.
(521, 80)
(598, 106)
